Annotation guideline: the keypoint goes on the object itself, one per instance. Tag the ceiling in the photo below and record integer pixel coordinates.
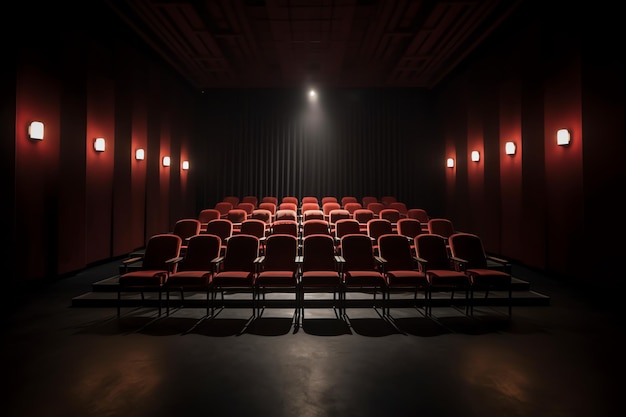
(325, 43)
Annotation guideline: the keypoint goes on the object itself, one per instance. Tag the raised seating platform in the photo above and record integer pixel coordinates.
(104, 294)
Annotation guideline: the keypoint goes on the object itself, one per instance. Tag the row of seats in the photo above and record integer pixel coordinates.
(337, 226)
(317, 262)
(255, 201)
(325, 205)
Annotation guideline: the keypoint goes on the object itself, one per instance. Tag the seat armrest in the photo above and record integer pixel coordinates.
(217, 262)
(172, 262)
(506, 265)
(459, 263)
(340, 261)
(422, 263)
(381, 262)
(127, 262)
(258, 263)
(132, 260)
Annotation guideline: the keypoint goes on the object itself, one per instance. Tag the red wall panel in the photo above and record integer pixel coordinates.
(36, 172)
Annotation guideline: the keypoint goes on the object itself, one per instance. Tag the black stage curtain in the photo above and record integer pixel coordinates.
(348, 142)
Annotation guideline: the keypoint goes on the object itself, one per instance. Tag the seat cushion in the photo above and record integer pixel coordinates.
(190, 278)
(406, 278)
(233, 279)
(320, 279)
(364, 279)
(276, 279)
(145, 278)
(488, 277)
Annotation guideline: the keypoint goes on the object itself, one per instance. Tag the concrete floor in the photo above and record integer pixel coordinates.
(565, 359)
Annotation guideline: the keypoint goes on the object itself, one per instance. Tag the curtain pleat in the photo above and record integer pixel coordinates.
(273, 143)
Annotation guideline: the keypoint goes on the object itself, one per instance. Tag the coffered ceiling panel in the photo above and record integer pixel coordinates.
(332, 43)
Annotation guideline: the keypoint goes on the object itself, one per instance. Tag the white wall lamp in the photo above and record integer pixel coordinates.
(166, 161)
(35, 130)
(563, 137)
(140, 154)
(510, 148)
(475, 156)
(450, 162)
(185, 165)
(99, 144)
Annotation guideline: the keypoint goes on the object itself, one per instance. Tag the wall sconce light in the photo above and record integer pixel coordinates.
(450, 163)
(185, 165)
(166, 161)
(140, 154)
(35, 130)
(563, 137)
(510, 148)
(99, 145)
(475, 156)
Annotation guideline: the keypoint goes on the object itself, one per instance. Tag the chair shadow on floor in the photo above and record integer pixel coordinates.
(145, 321)
(317, 326)
(271, 326)
(419, 326)
(371, 327)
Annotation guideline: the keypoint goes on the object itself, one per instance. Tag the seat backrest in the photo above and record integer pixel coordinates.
(368, 199)
(285, 205)
(378, 227)
(329, 199)
(220, 227)
(286, 214)
(280, 253)
(468, 246)
(418, 213)
(224, 207)
(330, 205)
(253, 227)
(206, 215)
(363, 215)
(262, 214)
(241, 251)
(309, 199)
(441, 227)
(433, 249)
(312, 214)
(409, 227)
(388, 199)
(358, 252)
(290, 199)
(346, 227)
(348, 199)
(314, 227)
(338, 214)
(266, 205)
(186, 228)
(309, 206)
(396, 250)
(400, 206)
(159, 249)
(288, 227)
(351, 207)
(201, 250)
(318, 253)
(250, 199)
(248, 207)
(390, 214)
(270, 199)
(232, 199)
(237, 215)
(376, 207)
